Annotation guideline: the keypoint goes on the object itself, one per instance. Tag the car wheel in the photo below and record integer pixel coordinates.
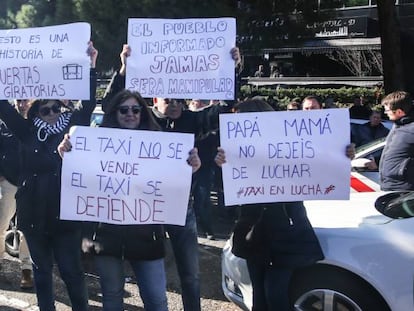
(12, 242)
(330, 289)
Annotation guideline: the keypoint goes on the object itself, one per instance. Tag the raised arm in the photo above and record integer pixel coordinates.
(83, 115)
(117, 82)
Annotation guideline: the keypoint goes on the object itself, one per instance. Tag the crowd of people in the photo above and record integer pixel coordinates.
(274, 238)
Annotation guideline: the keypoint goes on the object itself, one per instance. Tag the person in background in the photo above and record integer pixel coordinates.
(198, 104)
(141, 245)
(274, 238)
(369, 131)
(259, 72)
(38, 196)
(293, 105)
(311, 102)
(274, 71)
(9, 179)
(22, 106)
(203, 179)
(359, 110)
(396, 166)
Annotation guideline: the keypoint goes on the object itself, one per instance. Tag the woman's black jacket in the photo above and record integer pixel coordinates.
(38, 194)
(279, 234)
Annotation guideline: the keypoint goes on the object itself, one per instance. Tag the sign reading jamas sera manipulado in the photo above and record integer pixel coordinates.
(45, 62)
(126, 176)
(181, 58)
(285, 156)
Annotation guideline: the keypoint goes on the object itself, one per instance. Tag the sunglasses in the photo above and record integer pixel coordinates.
(45, 111)
(135, 109)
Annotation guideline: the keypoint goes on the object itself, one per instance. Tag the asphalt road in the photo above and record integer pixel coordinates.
(13, 298)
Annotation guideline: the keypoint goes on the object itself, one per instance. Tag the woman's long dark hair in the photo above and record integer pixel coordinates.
(147, 120)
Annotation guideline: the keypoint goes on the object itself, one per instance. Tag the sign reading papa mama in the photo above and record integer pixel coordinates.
(285, 156)
(126, 176)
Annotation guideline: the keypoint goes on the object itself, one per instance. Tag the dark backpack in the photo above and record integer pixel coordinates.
(9, 155)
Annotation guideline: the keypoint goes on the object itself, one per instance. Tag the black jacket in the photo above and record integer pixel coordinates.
(133, 242)
(38, 194)
(276, 233)
(396, 165)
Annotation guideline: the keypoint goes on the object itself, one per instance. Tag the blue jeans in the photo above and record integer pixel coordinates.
(185, 247)
(270, 286)
(203, 208)
(65, 248)
(151, 282)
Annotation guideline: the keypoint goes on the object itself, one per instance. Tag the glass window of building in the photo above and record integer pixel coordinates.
(405, 1)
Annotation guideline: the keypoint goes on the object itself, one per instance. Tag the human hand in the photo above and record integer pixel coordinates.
(350, 151)
(125, 53)
(92, 53)
(194, 160)
(235, 55)
(64, 146)
(220, 158)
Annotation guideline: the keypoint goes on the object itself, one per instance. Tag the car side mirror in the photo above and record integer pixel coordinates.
(396, 204)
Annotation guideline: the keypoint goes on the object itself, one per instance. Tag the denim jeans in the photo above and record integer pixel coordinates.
(65, 248)
(185, 247)
(151, 282)
(270, 286)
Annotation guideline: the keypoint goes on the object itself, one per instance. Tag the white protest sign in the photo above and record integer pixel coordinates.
(126, 176)
(181, 58)
(45, 62)
(285, 156)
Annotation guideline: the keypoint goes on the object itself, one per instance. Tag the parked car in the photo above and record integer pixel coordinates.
(369, 257)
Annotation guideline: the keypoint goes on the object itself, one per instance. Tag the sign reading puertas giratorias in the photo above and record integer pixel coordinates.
(45, 62)
(126, 177)
(285, 156)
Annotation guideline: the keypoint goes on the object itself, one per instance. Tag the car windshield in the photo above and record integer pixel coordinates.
(370, 144)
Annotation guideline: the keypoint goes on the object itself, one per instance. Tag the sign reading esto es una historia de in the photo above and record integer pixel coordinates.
(45, 62)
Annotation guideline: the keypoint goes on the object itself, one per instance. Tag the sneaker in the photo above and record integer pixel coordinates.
(27, 279)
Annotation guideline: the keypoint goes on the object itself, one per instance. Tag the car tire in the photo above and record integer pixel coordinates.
(12, 242)
(330, 288)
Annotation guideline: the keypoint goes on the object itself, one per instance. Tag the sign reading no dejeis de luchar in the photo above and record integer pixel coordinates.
(126, 176)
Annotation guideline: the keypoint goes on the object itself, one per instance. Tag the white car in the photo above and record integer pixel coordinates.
(369, 257)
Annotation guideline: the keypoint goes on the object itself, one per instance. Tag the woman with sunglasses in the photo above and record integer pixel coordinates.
(141, 245)
(38, 196)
